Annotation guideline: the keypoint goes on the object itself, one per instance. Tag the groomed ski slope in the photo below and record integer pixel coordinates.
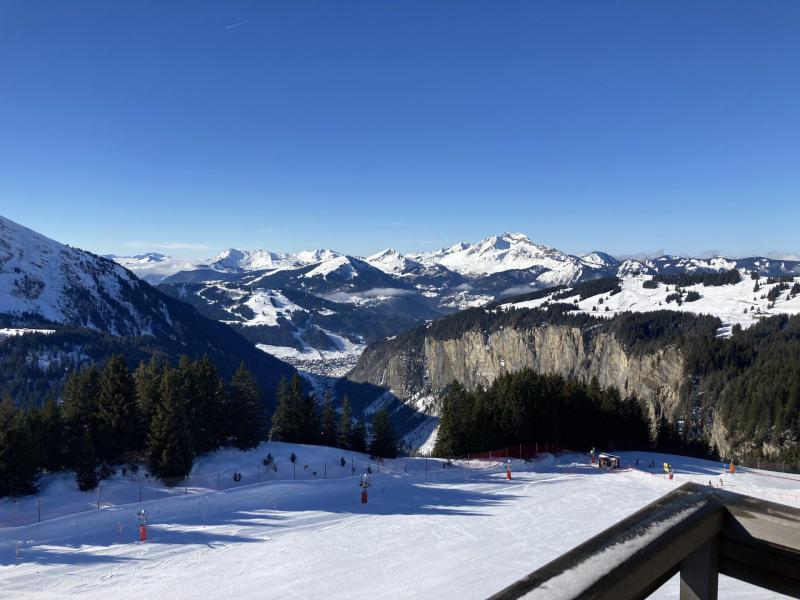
(461, 533)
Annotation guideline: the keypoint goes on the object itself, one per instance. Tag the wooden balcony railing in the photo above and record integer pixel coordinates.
(695, 530)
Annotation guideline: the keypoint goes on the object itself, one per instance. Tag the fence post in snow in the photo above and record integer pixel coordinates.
(98, 495)
(39, 507)
(218, 488)
(325, 471)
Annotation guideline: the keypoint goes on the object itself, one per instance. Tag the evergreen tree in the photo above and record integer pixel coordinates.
(383, 442)
(309, 419)
(358, 437)
(345, 432)
(117, 414)
(17, 456)
(147, 380)
(246, 410)
(84, 461)
(79, 410)
(454, 418)
(169, 448)
(205, 392)
(328, 431)
(295, 419)
(284, 427)
(48, 433)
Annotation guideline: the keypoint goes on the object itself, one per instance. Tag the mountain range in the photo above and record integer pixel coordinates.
(323, 305)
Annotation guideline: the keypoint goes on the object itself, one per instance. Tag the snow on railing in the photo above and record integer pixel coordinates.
(696, 531)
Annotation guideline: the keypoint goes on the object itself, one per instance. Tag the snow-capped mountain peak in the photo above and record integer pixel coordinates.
(392, 262)
(495, 254)
(251, 260)
(310, 257)
(599, 259)
(341, 265)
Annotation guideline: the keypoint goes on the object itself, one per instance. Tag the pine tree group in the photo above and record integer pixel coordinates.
(164, 414)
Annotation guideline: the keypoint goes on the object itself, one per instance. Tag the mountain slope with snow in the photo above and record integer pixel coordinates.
(81, 299)
(426, 531)
(734, 304)
(41, 279)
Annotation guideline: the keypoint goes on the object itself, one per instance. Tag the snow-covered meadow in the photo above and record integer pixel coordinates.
(426, 531)
(733, 304)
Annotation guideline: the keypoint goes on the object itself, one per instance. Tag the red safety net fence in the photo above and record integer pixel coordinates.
(521, 451)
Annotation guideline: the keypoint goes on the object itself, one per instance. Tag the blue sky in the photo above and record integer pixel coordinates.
(187, 127)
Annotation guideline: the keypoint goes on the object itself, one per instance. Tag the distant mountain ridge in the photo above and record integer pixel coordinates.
(322, 303)
(494, 254)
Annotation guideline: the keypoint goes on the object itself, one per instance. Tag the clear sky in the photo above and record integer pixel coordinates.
(187, 127)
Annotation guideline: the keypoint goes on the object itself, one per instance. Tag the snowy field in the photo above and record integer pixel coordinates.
(459, 533)
(733, 304)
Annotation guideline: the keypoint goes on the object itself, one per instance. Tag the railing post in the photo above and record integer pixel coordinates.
(700, 572)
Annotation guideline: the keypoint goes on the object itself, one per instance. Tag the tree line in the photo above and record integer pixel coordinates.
(529, 407)
(164, 416)
(299, 419)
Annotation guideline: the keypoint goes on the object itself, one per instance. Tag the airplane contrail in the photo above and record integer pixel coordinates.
(234, 25)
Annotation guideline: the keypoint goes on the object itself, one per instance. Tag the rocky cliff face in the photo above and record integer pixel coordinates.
(418, 364)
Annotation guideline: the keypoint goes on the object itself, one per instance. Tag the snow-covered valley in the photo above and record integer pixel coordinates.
(463, 532)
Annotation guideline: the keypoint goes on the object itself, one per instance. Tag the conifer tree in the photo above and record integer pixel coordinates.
(79, 411)
(48, 433)
(169, 449)
(117, 414)
(451, 440)
(358, 437)
(17, 456)
(309, 419)
(147, 382)
(206, 397)
(345, 432)
(328, 431)
(246, 410)
(283, 425)
(84, 461)
(295, 417)
(383, 442)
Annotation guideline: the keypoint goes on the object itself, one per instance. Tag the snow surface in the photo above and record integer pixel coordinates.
(728, 302)
(340, 264)
(502, 253)
(13, 331)
(44, 277)
(267, 306)
(458, 533)
(344, 348)
(391, 261)
(154, 267)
